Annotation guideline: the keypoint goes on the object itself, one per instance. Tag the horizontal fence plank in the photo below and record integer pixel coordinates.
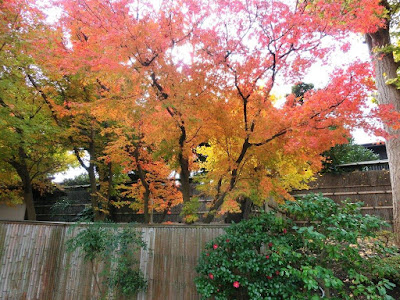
(376, 207)
(346, 193)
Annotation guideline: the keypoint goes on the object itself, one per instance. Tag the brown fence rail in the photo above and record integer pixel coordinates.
(372, 187)
(34, 263)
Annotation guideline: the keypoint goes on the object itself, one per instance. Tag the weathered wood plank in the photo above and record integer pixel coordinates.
(34, 263)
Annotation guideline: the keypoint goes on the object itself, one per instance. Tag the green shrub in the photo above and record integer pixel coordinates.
(60, 207)
(268, 257)
(85, 215)
(190, 209)
(115, 248)
(345, 154)
(387, 267)
(81, 179)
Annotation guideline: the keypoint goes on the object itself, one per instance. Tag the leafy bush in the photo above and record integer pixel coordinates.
(344, 154)
(85, 215)
(269, 257)
(81, 179)
(115, 248)
(387, 267)
(190, 209)
(60, 207)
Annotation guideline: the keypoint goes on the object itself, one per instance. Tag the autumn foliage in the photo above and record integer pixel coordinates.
(147, 87)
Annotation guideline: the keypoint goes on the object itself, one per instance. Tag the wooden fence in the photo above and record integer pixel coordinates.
(372, 187)
(34, 263)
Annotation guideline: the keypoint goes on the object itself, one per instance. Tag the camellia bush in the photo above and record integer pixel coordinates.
(323, 256)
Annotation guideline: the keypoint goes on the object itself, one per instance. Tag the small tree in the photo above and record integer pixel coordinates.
(115, 248)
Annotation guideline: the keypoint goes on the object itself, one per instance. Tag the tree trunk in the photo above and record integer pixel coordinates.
(109, 186)
(28, 192)
(184, 165)
(146, 200)
(23, 172)
(220, 197)
(146, 195)
(28, 199)
(185, 178)
(216, 204)
(93, 192)
(94, 198)
(386, 68)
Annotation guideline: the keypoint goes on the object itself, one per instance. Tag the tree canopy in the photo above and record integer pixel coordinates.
(145, 88)
(30, 148)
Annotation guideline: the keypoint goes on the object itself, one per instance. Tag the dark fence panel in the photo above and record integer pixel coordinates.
(372, 187)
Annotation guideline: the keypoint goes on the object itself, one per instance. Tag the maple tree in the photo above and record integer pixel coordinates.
(203, 74)
(71, 91)
(142, 44)
(236, 58)
(153, 188)
(264, 147)
(73, 110)
(30, 147)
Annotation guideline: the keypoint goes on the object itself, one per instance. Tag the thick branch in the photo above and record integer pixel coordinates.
(79, 158)
(45, 98)
(276, 135)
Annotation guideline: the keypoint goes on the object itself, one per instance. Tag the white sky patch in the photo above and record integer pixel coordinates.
(319, 73)
(52, 12)
(361, 137)
(68, 174)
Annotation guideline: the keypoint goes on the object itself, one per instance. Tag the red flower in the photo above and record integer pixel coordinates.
(284, 231)
(267, 256)
(277, 272)
(270, 245)
(211, 276)
(227, 240)
(269, 277)
(236, 284)
(215, 246)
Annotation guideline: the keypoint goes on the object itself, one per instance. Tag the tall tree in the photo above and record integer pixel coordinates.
(386, 77)
(205, 73)
(382, 50)
(73, 91)
(144, 42)
(153, 188)
(265, 140)
(29, 138)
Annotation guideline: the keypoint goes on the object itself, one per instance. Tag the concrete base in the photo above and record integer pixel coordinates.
(12, 213)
